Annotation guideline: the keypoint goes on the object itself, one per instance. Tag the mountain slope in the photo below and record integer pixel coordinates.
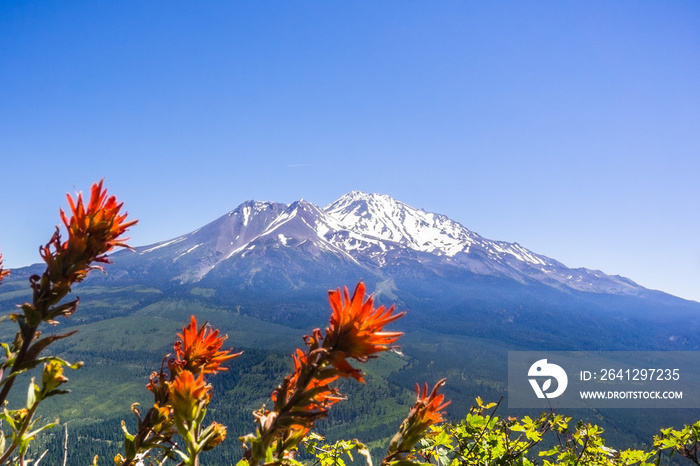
(366, 231)
(393, 225)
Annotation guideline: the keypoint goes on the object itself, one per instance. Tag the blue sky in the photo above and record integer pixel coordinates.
(572, 128)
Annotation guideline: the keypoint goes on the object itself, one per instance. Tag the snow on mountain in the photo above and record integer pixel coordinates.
(373, 231)
(382, 219)
(251, 225)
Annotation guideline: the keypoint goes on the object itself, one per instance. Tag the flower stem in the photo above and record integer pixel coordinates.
(28, 338)
(23, 429)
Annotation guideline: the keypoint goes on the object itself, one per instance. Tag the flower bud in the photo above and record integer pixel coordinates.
(187, 394)
(52, 376)
(219, 435)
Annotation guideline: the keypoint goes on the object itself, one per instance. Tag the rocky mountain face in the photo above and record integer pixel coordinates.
(367, 231)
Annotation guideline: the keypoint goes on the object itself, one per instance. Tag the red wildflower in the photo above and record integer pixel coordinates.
(425, 412)
(303, 397)
(93, 231)
(428, 408)
(356, 329)
(215, 434)
(199, 350)
(309, 392)
(186, 394)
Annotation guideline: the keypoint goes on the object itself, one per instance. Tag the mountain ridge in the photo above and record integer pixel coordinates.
(371, 231)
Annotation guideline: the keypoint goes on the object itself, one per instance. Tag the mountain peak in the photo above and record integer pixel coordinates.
(383, 217)
(360, 197)
(370, 230)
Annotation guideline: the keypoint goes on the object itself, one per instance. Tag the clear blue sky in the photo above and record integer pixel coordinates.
(572, 128)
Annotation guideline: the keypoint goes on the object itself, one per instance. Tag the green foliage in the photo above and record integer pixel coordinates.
(483, 438)
(334, 454)
(684, 442)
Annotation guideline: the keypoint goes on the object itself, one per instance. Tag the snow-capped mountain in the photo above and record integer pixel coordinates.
(371, 231)
(392, 224)
(274, 262)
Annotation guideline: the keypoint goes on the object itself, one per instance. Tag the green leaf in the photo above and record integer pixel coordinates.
(7, 417)
(129, 446)
(257, 448)
(8, 351)
(41, 429)
(39, 345)
(551, 452)
(12, 376)
(184, 457)
(65, 309)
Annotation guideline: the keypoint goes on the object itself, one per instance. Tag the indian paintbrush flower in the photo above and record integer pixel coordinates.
(303, 396)
(428, 409)
(181, 396)
(52, 376)
(356, 329)
(425, 412)
(199, 350)
(188, 394)
(197, 353)
(214, 435)
(94, 229)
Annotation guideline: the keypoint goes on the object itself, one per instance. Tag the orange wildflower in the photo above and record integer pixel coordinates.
(301, 399)
(425, 412)
(93, 230)
(199, 350)
(216, 435)
(428, 408)
(186, 394)
(99, 225)
(310, 393)
(356, 329)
